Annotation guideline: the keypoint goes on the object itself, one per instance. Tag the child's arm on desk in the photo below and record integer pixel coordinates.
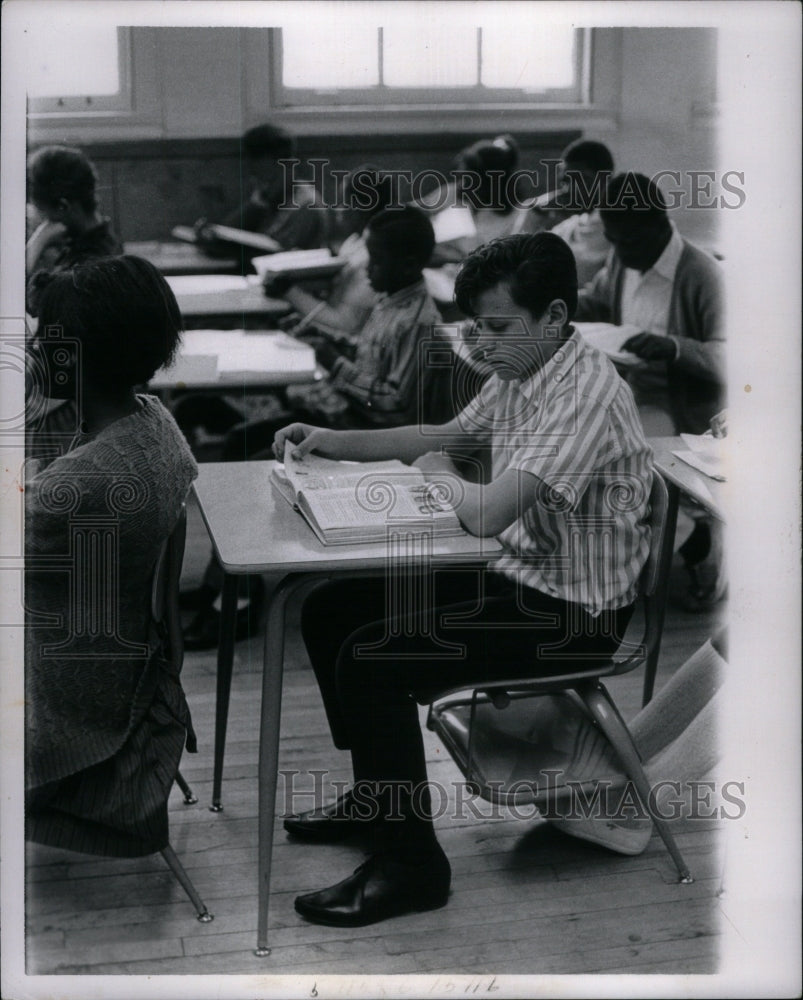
(483, 510)
(404, 443)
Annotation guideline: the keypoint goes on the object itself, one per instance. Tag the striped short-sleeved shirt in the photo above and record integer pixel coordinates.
(573, 425)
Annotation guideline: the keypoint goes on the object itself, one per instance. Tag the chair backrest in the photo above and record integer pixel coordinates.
(164, 592)
(660, 555)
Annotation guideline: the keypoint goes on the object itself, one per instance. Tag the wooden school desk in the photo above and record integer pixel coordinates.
(237, 359)
(254, 530)
(682, 478)
(204, 296)
(174, 257)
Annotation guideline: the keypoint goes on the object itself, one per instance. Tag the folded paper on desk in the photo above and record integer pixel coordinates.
(348, 502)
(705, 453)
(299, 264)
(609, 338)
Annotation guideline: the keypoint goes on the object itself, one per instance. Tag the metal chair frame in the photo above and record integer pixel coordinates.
(585, 683)
(165, 612)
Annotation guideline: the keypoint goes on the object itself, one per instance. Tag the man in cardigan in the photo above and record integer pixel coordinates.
(658, 281)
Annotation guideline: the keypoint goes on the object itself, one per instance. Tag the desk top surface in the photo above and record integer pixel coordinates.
(223, 295)
(235, 358)
(255, 530)
(174, 257)
(709, 493)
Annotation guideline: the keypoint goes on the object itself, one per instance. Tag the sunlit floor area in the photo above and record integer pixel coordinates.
(525, 898)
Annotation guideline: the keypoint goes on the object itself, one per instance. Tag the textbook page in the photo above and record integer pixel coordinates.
(357, 501)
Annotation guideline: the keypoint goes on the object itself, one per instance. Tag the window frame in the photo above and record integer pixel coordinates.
(381, 97)
(95, 104)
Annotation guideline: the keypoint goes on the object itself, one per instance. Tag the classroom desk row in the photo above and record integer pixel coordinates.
(241, 359)
(254, 530)
(175, 257)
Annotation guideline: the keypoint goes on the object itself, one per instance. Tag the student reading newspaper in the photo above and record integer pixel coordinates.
(568, 501)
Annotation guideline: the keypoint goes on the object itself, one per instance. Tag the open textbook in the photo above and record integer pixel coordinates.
(299, 264)
(609, 338)
(348, 502)
(258, 241)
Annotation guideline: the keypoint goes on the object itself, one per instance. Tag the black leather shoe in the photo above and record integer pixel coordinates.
(203, 632)
(380, 888)
(329, 824)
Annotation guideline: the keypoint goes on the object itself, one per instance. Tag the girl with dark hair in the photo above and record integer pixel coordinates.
(106, 721)
(484, 196)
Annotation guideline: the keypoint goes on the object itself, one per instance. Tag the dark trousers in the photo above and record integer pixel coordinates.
(462, 628)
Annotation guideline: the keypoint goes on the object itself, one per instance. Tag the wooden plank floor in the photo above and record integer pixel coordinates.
(526, 899)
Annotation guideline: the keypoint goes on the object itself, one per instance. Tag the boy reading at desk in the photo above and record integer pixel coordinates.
(377, 386)
(673, 292)
(61, 187)
(287, 210)
(568, 501)
(62, 190)
(350, 299)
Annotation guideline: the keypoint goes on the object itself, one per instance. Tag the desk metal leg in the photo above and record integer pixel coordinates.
(225, 664)
(269, 736)
(651, 666)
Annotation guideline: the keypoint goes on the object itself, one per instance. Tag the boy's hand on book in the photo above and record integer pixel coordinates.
(306, 438)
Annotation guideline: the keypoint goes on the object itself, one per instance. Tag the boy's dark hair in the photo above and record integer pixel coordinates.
(368, 189)
(405, 232)
(56, 172)
(635, 200)
(587, 153)
(123, 313)
(268, 142)
(538, 269)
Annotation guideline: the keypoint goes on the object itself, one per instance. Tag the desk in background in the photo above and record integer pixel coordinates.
(682, 478)
(230, 359)
(173, 257)
(254, 530)
(209, 297)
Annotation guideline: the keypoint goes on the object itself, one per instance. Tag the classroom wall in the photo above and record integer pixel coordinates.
(180, 159)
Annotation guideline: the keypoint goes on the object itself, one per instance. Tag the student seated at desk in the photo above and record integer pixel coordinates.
(61, 186)
(586, 168)
(289, 211)
(106, 717)
(566, 440)
(378, 386)
(342, 313)
(482, 187)
(583, 171)
(658, 281)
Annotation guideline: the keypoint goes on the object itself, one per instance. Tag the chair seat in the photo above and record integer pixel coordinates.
(529, 750)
